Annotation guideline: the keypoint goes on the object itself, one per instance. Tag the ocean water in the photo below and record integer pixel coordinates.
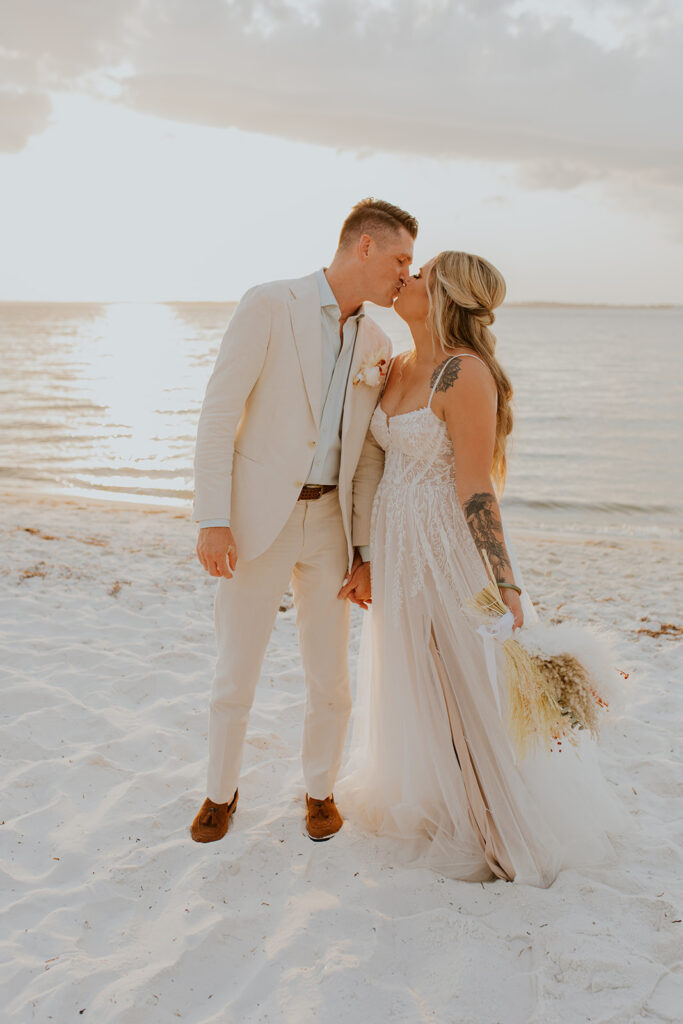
(103, 400)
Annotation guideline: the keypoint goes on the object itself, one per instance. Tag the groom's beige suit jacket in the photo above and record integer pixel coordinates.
(258, 427)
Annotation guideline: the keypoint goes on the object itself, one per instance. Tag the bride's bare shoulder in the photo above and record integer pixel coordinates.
(461, 366)
(460, 378)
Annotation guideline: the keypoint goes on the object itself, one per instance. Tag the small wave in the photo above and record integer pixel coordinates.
(610, 507)
(131, 472)
(150, 492)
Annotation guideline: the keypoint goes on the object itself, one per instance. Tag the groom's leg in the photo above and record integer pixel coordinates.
(323, 623)
(245, 611)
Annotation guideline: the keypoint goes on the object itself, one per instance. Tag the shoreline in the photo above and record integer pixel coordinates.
(58, 499)
(558, 532)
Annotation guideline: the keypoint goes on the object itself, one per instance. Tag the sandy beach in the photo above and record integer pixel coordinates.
(113, 914)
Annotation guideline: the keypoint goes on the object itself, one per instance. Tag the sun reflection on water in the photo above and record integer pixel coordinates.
(114, 403)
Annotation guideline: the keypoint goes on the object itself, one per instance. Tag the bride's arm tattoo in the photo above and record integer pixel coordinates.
(483, 519)
(449, 375)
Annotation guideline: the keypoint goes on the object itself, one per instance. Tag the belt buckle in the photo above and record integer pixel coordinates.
(313, 491)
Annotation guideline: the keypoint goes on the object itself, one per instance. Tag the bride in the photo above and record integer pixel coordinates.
(431, 761)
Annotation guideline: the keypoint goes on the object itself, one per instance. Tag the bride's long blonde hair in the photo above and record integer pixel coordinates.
(463, 292)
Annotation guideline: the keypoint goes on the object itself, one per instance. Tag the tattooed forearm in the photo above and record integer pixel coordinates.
(449, 375)
(483, 519)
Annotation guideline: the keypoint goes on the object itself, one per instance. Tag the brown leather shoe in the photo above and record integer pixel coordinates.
(322, 818)
(213, 819)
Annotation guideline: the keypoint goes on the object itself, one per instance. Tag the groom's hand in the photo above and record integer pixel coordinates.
(217, 551)
(357, 587)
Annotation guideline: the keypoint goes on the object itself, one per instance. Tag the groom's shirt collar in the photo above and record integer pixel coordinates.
(327, 298)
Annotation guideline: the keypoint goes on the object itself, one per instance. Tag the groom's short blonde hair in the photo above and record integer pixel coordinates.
(373, 217)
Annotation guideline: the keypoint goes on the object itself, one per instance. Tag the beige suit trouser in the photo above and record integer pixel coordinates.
(311, 551)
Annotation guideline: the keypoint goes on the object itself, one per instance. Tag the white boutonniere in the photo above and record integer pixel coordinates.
(372, 370)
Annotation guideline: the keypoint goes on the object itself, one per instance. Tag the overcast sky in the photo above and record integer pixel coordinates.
(186, 149)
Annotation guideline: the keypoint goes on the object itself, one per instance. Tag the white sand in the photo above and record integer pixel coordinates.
(112, 913)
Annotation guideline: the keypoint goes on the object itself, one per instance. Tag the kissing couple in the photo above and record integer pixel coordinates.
(324, 463)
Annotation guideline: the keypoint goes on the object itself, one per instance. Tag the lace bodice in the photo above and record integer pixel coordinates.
(417, 445)
(417, 520)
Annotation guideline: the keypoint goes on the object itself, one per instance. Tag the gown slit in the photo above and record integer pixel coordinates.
(478, 810)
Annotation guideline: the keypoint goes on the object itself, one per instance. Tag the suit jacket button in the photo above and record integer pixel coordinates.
(299, 484)
(312, 444)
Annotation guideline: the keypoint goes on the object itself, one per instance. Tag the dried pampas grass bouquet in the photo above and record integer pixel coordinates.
(558, 679)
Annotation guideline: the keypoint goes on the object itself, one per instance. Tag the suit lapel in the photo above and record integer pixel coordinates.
(350, 393)
(304, 309)
(359, 405)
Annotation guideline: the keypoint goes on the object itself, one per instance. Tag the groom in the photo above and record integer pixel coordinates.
(280, 435)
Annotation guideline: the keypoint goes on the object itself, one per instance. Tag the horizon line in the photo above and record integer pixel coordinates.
(524, 303)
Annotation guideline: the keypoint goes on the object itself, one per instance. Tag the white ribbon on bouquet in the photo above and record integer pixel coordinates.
(500, 631)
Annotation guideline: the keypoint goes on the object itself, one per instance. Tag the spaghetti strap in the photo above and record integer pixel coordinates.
(458, 355)
(472, 356)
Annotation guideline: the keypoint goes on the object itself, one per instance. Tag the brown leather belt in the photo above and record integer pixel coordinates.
(314, 491)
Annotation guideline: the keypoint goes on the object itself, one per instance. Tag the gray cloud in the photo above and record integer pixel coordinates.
(22, 114)
(488, 80)
(46, 46)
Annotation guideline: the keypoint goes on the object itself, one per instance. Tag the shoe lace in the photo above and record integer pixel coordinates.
(210, 812)
(325, 806)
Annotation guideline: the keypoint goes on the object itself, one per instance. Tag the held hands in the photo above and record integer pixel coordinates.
(217, 551)
(356, 586)
(512, 599)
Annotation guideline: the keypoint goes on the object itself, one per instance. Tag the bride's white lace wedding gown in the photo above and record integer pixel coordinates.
(431, 763)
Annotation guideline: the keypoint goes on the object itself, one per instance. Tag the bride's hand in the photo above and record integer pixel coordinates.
(357, 586)
(512, 599)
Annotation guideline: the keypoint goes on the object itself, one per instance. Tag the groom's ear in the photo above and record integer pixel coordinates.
(365, 244)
